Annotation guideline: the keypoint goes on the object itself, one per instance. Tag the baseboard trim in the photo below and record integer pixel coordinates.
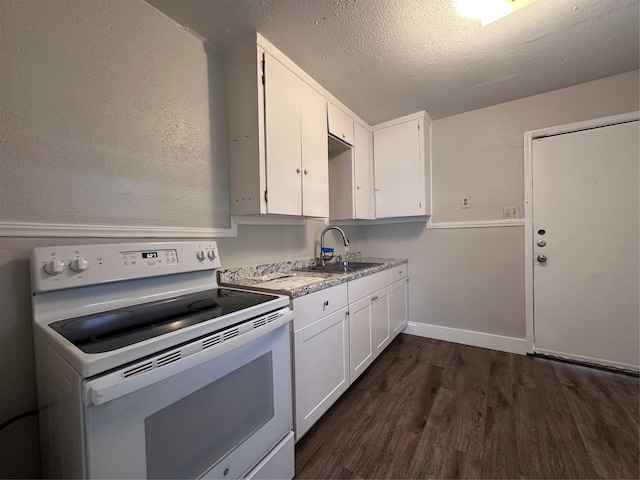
(468, 337)
(589, 361)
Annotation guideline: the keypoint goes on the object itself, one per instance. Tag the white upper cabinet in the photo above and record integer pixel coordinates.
(340, 124)
(294, 152)
(283, 138)
(363, 172)
(402, 173)
(278, 137)
(315, 154)
(351, 176)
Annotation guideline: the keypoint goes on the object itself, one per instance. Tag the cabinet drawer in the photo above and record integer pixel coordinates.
(314, 306)
(399, 272)
(364, 286)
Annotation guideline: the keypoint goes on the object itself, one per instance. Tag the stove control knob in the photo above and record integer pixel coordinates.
(200, 255)
(212, 255)
(55, 267)
(79, 265)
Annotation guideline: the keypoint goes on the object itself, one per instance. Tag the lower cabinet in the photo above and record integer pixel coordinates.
(338, 333)
(360, 337)
(380, 334)
(398, 301)
(368, 320)
(321, 354)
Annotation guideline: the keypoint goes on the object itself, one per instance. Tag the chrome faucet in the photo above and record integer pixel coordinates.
(344, 239)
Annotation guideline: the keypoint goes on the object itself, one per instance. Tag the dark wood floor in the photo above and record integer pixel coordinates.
(433, 409)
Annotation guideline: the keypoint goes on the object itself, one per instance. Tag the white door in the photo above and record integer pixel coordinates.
(586, 245)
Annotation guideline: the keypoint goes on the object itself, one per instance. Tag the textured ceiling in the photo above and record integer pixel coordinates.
(387, 58)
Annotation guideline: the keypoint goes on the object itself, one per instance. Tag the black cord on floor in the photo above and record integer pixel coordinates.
(17, 417)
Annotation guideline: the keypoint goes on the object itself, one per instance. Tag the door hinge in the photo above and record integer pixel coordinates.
(265, 197)
(263, 74)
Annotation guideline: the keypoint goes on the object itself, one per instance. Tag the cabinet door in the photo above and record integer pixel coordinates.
(398, 306)
(363, 172)
(321, 368)
(282, 139)
(380, 331)
(360, 345)
(315, 153)
(399, 169)
(340, 124)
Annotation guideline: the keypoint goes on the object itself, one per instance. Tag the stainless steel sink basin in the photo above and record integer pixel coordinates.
(339, 268)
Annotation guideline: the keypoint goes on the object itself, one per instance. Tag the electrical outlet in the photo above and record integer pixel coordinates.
(509, 213)
(465, 202)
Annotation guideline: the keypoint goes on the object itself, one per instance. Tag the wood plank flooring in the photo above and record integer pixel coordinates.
(433, 409)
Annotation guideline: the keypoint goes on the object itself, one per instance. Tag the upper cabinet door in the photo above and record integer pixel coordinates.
(282, 138)
(401, 168)
(363, 166)
(315, 155)
(340, 124)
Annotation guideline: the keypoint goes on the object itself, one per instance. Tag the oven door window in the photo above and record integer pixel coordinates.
(211, 422)
(214, 419)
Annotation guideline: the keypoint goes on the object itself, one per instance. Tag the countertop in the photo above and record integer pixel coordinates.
(282, 277)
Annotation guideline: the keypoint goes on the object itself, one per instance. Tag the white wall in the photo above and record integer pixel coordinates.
(480, 153)
(109, 116)
(472, 279)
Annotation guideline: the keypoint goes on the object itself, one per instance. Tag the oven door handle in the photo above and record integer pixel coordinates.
(114, 385)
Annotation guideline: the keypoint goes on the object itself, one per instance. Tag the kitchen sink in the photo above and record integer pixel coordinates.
(339, 267)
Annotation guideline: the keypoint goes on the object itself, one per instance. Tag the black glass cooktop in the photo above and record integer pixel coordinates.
(115, 329)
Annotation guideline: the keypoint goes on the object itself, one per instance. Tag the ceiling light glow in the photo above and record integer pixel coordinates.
(489, 10)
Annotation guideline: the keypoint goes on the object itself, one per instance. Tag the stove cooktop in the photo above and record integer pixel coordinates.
(115, 329)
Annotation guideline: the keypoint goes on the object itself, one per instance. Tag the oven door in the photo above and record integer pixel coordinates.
(213, 414)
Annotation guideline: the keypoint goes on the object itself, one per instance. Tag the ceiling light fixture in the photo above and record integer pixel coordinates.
(489, 10)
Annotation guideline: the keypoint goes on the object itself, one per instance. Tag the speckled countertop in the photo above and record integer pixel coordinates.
(265, 277)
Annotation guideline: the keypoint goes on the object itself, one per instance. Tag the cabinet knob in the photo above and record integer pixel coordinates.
(306, 172)
(298, 170)
(326, 303)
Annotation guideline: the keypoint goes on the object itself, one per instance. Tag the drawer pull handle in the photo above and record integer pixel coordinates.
(326, 303)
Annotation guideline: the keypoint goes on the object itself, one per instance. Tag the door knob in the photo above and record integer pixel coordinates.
(542, 258)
